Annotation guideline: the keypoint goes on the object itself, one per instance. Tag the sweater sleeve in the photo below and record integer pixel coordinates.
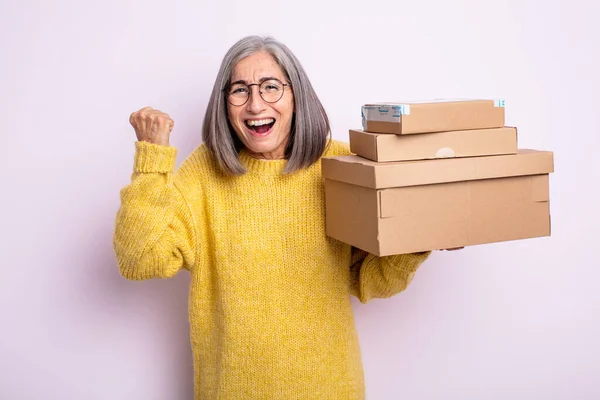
(382, 277)
(154, 233)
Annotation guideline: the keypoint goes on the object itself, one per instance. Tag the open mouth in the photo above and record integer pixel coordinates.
(260, 126)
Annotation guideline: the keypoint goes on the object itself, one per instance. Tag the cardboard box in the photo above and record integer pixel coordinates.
(412, 117)
(468, 143)
(410, 206)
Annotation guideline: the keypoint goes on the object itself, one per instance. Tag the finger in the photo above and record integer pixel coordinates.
(159, 115)
(142, 113)
(155, 115)
(149, 119)
(136, 122)
(161, 123)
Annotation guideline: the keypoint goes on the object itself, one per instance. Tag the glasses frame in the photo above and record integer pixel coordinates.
(250, 93)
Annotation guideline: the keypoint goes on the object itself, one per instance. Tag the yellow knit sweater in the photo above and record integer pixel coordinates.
(269, 303)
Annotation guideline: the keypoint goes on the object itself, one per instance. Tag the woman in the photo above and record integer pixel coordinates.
(269, 302)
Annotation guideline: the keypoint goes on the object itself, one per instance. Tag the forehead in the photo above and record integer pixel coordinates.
(255, 67)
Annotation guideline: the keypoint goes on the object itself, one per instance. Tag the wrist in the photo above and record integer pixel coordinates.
(152, 157)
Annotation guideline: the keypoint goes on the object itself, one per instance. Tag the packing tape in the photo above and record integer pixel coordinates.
(384, 112)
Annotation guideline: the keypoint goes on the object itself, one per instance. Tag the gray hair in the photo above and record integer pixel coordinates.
(310, 124)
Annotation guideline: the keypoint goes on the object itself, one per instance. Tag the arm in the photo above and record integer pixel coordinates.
(382, 277)
(154, 232)
(378, 277)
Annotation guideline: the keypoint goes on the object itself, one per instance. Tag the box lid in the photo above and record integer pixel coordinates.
(411, 117)
(393, 110)
(383, 147)
(360, 171)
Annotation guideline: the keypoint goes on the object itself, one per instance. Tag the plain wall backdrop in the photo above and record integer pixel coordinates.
(514, 320)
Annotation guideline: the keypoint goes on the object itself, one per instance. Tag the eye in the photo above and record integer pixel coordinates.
(271, 86)
(238, 90)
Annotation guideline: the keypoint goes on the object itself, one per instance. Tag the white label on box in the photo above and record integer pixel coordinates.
(499, 103)
(385, 112)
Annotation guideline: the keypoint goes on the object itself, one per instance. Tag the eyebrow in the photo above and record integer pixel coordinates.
(261, 80)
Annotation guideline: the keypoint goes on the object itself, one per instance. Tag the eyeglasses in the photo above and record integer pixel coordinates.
(271, 91)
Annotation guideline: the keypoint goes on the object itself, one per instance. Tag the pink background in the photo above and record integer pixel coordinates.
(515, 320)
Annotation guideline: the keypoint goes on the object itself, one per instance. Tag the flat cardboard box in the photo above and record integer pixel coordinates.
(413, 117)
(410, 206)
(383, 147)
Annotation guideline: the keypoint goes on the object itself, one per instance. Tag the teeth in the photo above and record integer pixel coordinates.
(260, 122)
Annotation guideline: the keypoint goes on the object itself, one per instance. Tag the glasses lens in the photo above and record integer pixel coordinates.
(271, 90)
(238, 94)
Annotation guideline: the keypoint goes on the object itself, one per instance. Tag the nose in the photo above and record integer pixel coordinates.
(255, 103)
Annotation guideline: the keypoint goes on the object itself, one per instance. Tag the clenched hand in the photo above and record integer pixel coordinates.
(153, 126)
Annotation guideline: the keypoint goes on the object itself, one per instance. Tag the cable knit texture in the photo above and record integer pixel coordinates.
(270, 298)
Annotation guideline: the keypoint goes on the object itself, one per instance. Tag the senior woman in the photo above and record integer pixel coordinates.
(269, 303)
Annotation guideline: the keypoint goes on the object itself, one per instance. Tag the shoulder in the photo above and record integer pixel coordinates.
(198, 166)
(336, 148)
(199, 159)
(200, 152)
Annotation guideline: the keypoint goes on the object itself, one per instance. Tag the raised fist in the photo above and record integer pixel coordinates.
(153, 126)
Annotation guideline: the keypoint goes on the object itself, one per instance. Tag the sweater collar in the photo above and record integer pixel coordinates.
(261, 166)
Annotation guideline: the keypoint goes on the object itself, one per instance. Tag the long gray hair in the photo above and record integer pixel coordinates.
(310, 124)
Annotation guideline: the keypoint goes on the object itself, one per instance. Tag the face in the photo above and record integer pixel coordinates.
(264, 128)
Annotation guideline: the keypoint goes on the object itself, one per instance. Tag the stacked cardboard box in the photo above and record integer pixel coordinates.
(436, 175)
